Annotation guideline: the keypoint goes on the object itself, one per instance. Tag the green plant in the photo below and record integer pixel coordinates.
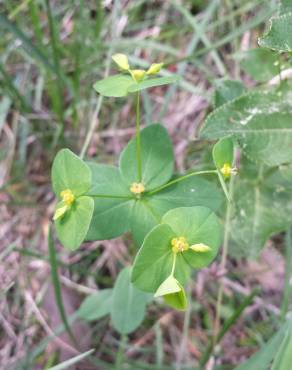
(172, 217)
(98, 201)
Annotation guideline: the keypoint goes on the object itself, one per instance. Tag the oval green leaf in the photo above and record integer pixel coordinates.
(114, 86)
(197, 225)
(73, 226)
(96, 305)
(153, 82)
(156, 157)
(70, 172)
(128, 304)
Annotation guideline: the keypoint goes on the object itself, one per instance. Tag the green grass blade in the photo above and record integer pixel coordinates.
(72, 361)
(227, 325)
(28, 46)
(57, 285)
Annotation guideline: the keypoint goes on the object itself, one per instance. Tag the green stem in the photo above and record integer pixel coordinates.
(138, 138)
(223, 185)
(173, 264)
(288, 273)
(179, 179)
(121, 352)
(223, 265)
(110, 196)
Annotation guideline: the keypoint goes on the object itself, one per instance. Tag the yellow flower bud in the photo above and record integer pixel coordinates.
(200, 247)
(122, 61)
(137, 188)
(179, 244)
(67, 197)
(138, 74)
(154, 68)
(226, 170)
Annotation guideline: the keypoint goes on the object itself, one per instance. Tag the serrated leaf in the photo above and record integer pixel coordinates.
(260, 121)
(96, 306)
(73, 226)
(128, 304)
(156, 157)
(70, 172)
(197, 225)
(153, 82)
(260, 64)
(114, 86)
(278, 37)
(227, 90)
(260, 211)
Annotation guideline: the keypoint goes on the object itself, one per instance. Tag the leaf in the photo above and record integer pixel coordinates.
(111, 215)
(285, 6)
(259, 212)
(26, 43)
(278, 37)
(114, 216)
(153, 82)
(262, 359)
(197, 225)
(223, 152)
(156, 157)
(169, 285)
(114, 86)
(173, 293)
(260, 121)
(67, 364)
(73, 226)
(70, 172)
(194, 191)
(260, 64)
(283, 359)
(154, 260)
(227, 90)
(128, 304)
(96, 306)
(57, 285)
(153, 263)
(177, 300)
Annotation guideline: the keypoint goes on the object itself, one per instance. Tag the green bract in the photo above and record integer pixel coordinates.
(156, 261)
(121, 85)
(133, 81)
(223, 153)
(70, 174)
(117, 210)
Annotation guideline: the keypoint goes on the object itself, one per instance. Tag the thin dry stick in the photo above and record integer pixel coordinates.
(43, 322)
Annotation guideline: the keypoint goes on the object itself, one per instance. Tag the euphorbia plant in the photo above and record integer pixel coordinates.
(171, 216)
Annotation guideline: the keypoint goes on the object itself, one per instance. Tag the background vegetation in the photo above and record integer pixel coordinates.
(52, 52)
